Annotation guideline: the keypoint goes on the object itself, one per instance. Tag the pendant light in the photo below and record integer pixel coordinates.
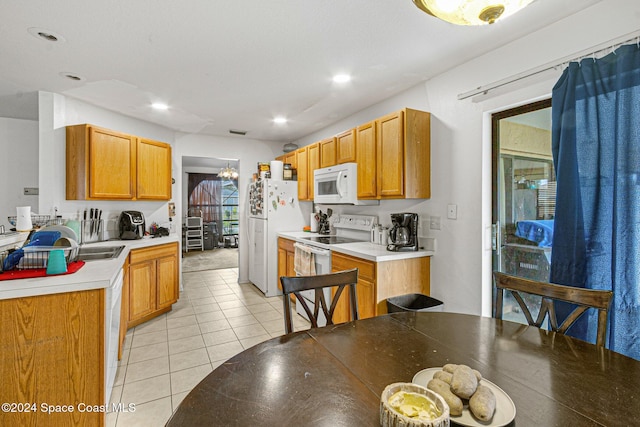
(471, 12)
(228, 173)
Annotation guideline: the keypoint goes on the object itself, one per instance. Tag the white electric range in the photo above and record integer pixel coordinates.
(348, 229)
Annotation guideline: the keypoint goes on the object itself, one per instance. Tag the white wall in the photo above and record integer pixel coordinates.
(18, 166)
(461, 142)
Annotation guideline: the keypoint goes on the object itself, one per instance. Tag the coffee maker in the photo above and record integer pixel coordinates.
(403, 235)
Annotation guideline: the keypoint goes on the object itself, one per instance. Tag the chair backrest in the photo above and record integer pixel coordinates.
(582, 298)
(297, 284)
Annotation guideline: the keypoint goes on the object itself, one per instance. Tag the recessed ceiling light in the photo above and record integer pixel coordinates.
(44, 34)
(159, 106)
(280, 120)
(72, 76)
(341, 78)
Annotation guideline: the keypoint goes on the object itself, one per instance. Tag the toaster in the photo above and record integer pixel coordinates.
(131, 225)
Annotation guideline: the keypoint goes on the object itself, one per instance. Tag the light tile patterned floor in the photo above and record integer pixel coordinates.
(163, 359)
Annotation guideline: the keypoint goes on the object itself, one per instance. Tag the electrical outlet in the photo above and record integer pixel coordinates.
(452, 211)
(434, 223)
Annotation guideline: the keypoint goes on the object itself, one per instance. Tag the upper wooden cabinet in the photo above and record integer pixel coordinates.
(393, 154)
(313, 163)
(153, 170)
(106, 165)
(366, 158)
(346, 147)
(327, 152)
(403, 154)
(302, 166)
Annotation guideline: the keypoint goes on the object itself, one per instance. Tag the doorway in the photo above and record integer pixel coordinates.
(524, 196)
(213, 199)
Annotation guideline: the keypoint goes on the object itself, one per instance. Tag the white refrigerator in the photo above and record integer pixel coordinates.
(273, 207)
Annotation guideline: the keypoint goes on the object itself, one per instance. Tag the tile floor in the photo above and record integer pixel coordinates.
(163, 359)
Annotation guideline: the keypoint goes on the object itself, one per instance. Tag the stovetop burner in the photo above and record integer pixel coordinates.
(331, 240)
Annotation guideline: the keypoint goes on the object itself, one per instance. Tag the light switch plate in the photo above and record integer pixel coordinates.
(452, 211)
(31, 191)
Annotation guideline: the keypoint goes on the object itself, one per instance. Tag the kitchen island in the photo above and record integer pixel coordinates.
(59, 340)
(381, 274)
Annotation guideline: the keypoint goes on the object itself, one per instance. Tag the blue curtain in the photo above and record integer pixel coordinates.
(596, 153)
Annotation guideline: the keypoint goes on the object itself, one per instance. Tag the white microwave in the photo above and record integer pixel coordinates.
(338, 185)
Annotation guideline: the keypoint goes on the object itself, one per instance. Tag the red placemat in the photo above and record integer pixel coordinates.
(38, 272)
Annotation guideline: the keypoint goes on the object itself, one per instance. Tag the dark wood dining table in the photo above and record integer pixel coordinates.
(334, 376)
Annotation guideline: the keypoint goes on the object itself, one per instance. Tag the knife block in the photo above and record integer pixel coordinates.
(92, 230)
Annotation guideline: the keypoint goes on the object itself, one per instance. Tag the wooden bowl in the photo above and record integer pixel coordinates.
(390, 417)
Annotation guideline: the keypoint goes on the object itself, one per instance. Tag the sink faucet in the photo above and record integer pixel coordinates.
(2, 229)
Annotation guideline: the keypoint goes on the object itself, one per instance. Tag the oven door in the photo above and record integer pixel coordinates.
(323, 266)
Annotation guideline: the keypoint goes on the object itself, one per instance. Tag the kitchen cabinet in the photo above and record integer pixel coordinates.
(366, 158)
(286, 260)
(124, 308)
(290, 158)
(346, 147)
(403, 142)
(102, 164)
(365, 289)
(153, 170)
(302, 162)
(327, 152)
(313, 158)
(53, 353)
(153, 282)
(378, 281)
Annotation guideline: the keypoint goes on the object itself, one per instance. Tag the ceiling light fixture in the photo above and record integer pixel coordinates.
(280, 120)
(471, 12)
(228, 173)
(159, 106)
(341, 78)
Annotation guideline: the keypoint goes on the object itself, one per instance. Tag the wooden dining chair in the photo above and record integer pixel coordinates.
(582, 298)
(297, 284)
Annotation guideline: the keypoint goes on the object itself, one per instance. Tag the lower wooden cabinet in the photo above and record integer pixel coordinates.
(378, 281)
(52, 352)
(153, 282)
(286, 260)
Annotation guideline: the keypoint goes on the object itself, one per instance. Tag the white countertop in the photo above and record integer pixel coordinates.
(93, 275)
(364, 250)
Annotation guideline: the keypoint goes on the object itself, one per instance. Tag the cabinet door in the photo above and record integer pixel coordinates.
(390, 137)
(282, 265)
(142, 289)
(346, 147)
(366, 299)
(366, 157)
(365, 289)
(112, 162)
(327, 152)
(291, 159)
(314, 163)
(303, 173)
(153, 170)
(124, 308)
(167, 281)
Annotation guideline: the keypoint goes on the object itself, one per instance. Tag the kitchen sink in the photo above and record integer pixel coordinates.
(92, 253)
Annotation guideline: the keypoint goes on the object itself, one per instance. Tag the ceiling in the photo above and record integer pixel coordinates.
(223, 65)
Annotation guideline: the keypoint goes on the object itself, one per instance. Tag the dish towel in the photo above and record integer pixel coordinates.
(304, 262)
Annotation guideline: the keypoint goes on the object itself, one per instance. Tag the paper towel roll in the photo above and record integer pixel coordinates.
(276, 169)
(23, 218)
